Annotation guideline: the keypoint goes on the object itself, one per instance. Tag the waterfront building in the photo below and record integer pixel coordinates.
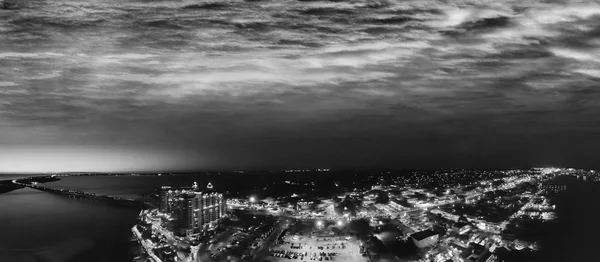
(192, 209)
(167, 196)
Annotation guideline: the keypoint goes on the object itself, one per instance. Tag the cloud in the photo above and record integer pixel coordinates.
(376, 92)
(456, 17)
(253, 73)
(30, 55)
(280, 67)
(543, 21)
(590, 72)
(6, 83)
(247, 83)
(591, 55)
(42, 76)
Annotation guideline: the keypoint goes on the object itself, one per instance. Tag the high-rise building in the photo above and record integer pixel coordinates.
(192, 209)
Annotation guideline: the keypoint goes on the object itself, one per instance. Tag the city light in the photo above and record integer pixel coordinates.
(412, 208)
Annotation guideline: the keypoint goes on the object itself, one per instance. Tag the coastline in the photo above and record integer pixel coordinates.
(83, 248)
(7, 186)
(10, 185)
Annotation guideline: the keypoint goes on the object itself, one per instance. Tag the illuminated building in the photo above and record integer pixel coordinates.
(192, 209)
(168, 194)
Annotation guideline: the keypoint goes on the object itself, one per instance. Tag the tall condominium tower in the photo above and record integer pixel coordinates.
(192, 209)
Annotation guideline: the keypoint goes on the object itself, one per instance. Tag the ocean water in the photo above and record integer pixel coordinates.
(131, 187)
(39, 226)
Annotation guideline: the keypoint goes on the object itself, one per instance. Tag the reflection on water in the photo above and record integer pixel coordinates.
(39, 226)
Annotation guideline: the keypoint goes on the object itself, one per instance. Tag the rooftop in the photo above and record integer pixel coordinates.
(423, 234)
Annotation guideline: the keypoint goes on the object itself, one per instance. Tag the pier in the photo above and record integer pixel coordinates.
(75, 194)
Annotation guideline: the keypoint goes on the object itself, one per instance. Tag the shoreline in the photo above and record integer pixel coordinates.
(38, 182)
(67, 250)
(7, 186)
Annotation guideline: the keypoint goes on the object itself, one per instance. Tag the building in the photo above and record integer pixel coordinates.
(424, 238)
(445, 214)
(192, 210)
(167, 196)
(475, 253)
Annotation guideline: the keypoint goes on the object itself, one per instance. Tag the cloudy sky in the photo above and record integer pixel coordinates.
(107, 85)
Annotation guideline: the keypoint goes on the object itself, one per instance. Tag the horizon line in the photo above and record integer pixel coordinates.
(276, 170)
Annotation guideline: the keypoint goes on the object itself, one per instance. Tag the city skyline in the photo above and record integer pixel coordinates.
(437, 216)
(299, 130)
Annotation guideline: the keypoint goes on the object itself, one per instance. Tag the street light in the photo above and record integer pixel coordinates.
(252, 199)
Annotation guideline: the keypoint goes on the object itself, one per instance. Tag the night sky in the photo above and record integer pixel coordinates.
(121, 85)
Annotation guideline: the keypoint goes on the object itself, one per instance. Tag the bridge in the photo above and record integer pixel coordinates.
(84, 195)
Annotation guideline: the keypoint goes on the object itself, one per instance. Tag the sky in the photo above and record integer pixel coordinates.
(122, 85)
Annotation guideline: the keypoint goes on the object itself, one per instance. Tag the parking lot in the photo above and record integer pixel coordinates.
(314, 248)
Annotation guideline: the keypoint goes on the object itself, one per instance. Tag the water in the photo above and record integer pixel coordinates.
(39, 226)
(574, 237)
(130, 186)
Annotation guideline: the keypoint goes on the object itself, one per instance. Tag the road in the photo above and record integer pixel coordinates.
(263, 251)
(204, 249)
